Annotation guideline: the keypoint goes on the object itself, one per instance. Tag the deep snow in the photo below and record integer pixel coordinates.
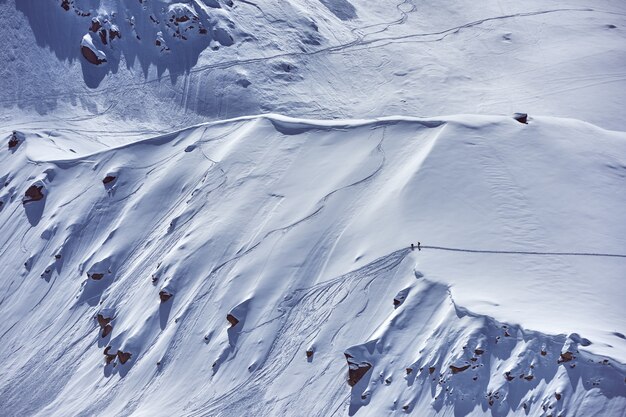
(301, 230)
(165, 250)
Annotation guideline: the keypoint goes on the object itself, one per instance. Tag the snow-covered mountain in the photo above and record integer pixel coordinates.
(166, 250)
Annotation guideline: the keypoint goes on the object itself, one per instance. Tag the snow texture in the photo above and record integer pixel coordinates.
(206, 208)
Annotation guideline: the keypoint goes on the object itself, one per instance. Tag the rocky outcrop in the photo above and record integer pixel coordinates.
(109, 357)
(165, 295)
(356, 370)
(123, 357)
(566, 357)
(34, 193)
(109, 179)
(92, 54)
(105, 325)
(15, 140)
(458, 369)
(232, 320)
(400, 297)
(521, 117)
(96, 276)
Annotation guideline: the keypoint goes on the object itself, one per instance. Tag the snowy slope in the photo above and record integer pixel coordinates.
(297, 57)
(301, 231)
(207, 209)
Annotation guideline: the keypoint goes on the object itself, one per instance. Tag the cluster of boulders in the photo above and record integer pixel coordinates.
(121, 356)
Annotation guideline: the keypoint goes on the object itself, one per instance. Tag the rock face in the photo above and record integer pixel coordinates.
(165, 295)
(356, 370)
(34, 193)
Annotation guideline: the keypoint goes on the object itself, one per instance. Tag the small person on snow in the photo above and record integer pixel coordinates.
(418, 246)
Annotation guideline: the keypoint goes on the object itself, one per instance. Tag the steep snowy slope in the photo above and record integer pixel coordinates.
(206, 208)
(239, 267)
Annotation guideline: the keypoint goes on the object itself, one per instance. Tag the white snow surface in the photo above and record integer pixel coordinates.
(235, 207)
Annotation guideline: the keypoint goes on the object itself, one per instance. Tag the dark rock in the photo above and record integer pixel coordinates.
(103, 321)
(95, 25)
(557, 395)
(400, 297)
(103, 36)
(409, 370)
(529, 377)
(164, 295)
(508, 376)
(309, 353)
(431, 370)
(91, 56)
(479, 351)
(65, 4)
(96, 276)
(14, 141)
(232, 320)
(107, 330)
(521, 117)
(108, 179)
(356, 371)
(34, 193)
(456, 369)
(123, 356)
(107, 356)
(566, 357)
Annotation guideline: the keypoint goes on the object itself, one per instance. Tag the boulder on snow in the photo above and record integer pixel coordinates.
(104, 323)
(521, 117)
(90, 52)
(15, 139)
(566, 357)
(457, 369)
(123, 356)
(232, 320)
(109, 179)
(165, 295)
(109, 357)
(34, 193)
(356, 370)
(398, 300)
(96, 276)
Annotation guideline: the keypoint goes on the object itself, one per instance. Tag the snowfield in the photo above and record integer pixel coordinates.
(237, 208)
(301, 232)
